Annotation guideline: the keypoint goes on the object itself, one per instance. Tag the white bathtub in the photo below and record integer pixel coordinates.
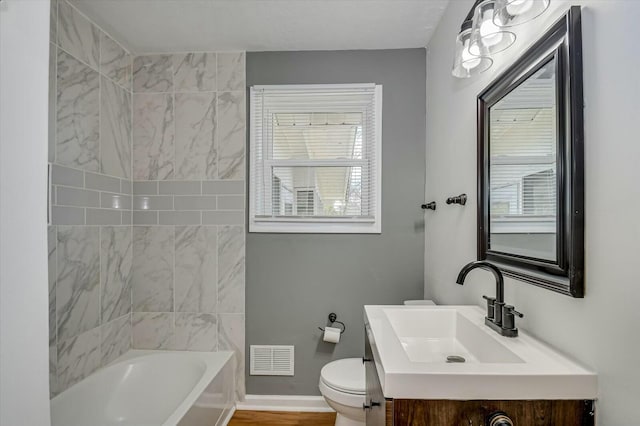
(152, 388)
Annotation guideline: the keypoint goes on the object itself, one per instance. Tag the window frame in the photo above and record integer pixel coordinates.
(331, 225)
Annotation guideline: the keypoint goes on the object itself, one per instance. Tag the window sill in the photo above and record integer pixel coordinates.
(315, 227)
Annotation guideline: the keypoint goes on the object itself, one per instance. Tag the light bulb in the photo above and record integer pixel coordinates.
(490, 33)
(468, 60)
(518, 7)
(465, 63)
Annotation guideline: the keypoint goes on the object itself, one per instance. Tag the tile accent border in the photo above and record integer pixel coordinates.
(173, 202)
(85, 198)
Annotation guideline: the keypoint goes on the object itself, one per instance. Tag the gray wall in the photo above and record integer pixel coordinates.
(601, 329)
(295, 280)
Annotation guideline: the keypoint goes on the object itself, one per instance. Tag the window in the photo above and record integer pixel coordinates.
(315, 158)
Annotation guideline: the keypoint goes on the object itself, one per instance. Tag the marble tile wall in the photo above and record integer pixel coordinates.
(89, 299)
(91, 96)
(189, 116)
(189, 203)
(147, 235)
(90, 235)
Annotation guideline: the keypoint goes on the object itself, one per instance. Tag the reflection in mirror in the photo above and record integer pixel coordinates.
(523, 166)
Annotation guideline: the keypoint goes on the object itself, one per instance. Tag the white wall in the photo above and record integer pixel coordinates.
(601, 329)
(24, 70)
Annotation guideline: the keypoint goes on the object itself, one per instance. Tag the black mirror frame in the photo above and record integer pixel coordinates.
(562, 42)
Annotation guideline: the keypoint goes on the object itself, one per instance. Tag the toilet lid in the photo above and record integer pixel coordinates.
(345, 375)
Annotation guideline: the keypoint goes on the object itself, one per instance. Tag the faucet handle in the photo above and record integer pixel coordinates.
(508, 317)
(491, 307)
(521, 315)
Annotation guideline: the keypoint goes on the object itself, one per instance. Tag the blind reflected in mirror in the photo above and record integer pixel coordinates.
(523, 190)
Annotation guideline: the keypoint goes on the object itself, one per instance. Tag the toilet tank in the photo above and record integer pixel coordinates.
(419, 302)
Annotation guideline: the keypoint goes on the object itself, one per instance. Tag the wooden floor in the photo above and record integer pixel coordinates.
(281, 418)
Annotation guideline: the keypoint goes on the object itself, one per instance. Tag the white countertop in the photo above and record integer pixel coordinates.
(541, 372)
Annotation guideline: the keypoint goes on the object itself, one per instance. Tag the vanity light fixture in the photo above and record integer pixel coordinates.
(487, 30)
(466, 64)
(509, 13)
(484, 32)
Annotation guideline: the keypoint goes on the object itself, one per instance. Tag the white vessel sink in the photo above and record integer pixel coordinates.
(411, 345)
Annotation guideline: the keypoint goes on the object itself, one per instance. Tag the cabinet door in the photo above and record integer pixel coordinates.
(375, 403)
(415, 412)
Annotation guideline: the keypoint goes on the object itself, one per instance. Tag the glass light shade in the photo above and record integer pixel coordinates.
(485, 31)
(509, 13)
(465, 64)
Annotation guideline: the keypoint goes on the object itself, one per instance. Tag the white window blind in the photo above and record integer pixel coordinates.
(315, 158)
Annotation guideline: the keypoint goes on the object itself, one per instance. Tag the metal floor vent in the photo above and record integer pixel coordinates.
(271, 360)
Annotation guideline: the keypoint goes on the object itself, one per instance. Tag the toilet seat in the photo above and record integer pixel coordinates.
(343, 381)
(345, 375)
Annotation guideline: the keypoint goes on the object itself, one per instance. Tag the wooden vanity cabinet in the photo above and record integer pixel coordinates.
(381, 411)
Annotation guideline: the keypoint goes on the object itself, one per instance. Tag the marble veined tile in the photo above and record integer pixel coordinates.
(196, 265)
(78, 357)
(53, 60)
(153, 136)
(231, 71)
(231, 135)
(153, 254)
(53, 374)
(195, 332)
(77, 114)
(231, 259)
(77, 35)
(231, 338)
(116, 258)
(115, 62)
(152, 330)
(195, 135)
(153, 73)
(194, 72)
(52, 240)
(115, 129)
(78, 283)
(115, 339)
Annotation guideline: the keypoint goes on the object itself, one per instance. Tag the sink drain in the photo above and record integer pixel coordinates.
(455, 358)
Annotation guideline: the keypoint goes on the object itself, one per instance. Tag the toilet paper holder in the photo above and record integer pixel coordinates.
(333, 318)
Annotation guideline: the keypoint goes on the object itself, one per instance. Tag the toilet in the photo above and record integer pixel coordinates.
(342, 384)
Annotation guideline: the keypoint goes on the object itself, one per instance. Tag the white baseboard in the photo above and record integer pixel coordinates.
(315, 404)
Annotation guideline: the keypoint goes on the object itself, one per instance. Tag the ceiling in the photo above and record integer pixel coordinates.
(153, 26)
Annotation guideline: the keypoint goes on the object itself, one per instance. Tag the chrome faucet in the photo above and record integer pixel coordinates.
(500, 317)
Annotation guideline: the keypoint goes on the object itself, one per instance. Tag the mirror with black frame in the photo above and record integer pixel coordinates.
(530, 164)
